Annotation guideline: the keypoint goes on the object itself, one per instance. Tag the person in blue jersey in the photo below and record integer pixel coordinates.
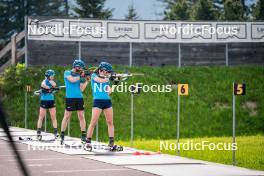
(75, 82)
(101, 91)
(47, 102)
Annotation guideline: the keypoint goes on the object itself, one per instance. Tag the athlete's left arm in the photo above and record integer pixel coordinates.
(83, 86)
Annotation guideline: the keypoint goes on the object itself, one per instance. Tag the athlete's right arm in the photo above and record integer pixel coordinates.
(73, 79)
(43, 85)
(68, 75)
(100, 80)
(53, 83)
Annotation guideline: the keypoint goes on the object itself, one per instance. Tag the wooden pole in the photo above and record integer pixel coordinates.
(13, 49)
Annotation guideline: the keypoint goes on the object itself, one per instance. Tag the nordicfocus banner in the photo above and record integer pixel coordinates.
(144, 31)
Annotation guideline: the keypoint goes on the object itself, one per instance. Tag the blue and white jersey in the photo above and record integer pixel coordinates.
(72, 89)
(99, 89)
(44, 95)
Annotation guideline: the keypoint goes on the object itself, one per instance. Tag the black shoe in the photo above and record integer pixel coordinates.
(111, 142)
(83, 139)
(39, 137)
(62, 139)
(56, 135)
(115, 148)
(88, 147)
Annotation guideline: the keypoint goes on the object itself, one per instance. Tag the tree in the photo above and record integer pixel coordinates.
(5, 13)
(233, 10)
(92, 9)
(179, 11)
(246, 9)
(219, 8)
(203, 10)
(12, 13)
(132, 14)
(258, 10)
(46, 8)
(66, 6)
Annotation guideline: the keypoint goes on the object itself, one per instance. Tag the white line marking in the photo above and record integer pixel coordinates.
(38, 165)
(16, 150)
(7, 143)
(46, 159)
(90, 170)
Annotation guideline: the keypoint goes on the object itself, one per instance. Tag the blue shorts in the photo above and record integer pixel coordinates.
(47, 104)
(74, 104)
(102, 103)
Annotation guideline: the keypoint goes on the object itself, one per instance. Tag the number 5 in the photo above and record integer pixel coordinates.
(239, 89)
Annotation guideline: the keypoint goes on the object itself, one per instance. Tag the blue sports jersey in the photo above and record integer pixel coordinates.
(99, 89)
(47, 96)
(72, 89)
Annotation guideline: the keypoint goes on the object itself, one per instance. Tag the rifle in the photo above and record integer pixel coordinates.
(124, 76)
(114, 77)
(46, 91)
(121, 77)
(85, 73)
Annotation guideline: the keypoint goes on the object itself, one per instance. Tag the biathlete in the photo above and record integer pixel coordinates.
(101, 91)
(47, 102)
(75, 82)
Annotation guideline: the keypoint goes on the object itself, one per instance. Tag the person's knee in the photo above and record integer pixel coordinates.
(52, 112)
(82, 120)
(109, 122)
(54, 119)
(67, 116)
(53, 116)
(81, 117)
(41, 116)
(93, 124)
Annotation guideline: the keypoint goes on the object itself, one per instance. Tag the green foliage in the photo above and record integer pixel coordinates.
(178, 11)
(207, 111)
(92, 9)
(210, 10)
(4, 20)
(233, 11)
(203, 10)
(258, 10)
(12, 13)
(45, 8)
(132, 13)
(249, 153)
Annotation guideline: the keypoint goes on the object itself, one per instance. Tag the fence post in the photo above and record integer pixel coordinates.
(179, 55)
(130, 54)
(234, 130)
(178, 126)
(131, 98)
(13, 49)
(226, 54)
(132, 120)
(26, 42)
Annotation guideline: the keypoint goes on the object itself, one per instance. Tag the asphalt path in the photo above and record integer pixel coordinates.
(48, 163)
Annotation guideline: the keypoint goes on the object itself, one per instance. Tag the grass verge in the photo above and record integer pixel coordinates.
(249, 154)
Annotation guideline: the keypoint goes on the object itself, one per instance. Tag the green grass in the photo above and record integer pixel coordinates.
(207, 111)
(249, 154)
